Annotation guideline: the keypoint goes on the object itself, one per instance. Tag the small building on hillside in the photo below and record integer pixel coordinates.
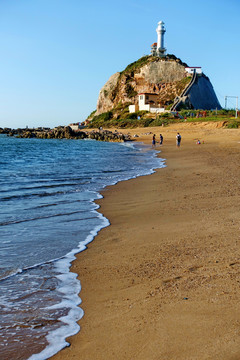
(147, 102)
(154, 49)
(191, 69)
(76, 126)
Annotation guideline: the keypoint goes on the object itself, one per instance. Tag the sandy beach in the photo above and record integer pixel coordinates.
(162, 281)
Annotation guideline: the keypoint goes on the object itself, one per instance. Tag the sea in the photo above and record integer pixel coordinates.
(48, 214)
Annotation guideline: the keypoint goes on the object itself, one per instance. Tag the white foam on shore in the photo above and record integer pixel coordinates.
(70, 289)
(71, 285)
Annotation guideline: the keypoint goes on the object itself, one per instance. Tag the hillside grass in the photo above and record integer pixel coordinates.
(134, 66)
(121, 118)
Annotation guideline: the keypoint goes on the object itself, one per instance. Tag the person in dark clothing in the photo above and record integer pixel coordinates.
(154, 140)
(161, 139)
(178, 139)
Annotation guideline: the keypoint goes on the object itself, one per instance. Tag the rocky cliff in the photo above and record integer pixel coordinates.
(166, 77)
(202, 95)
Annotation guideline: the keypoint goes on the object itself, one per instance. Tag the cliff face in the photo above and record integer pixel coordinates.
(149, 74)
(166, 77)
(105, 102)
(202, 95)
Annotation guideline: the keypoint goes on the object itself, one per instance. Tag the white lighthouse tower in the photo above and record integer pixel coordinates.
(160, 41)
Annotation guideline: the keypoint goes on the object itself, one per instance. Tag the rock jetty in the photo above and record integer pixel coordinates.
(65, 132)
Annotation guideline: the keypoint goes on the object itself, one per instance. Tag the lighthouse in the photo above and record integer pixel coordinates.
(160, 41)
(158, 48)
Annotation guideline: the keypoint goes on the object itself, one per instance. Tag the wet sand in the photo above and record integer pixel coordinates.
(162, 282)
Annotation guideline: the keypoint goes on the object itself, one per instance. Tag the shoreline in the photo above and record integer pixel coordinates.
(162, 281)
(70, 321)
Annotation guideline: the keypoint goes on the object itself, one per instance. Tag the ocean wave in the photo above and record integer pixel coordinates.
(78, 181)
(47, 217)
(113, 171)
(70, 289)
(13, 272)
(57, 338)
(125, 163)
(40, 194)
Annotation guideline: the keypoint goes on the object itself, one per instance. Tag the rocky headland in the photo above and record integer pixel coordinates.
(167, 77)
(66, 132)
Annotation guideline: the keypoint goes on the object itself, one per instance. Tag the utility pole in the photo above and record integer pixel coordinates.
(235, 97)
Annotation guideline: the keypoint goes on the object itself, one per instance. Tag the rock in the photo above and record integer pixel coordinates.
(155, 76)
(166, 77)
(104, 100)
(67, 133)
(202, 95)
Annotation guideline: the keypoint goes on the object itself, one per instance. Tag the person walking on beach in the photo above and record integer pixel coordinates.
(178, 138)
(154, 140)
(161, 139)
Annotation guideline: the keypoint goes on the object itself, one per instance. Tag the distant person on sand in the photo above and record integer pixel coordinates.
(161, 139)
(154, 140)
(178, 138)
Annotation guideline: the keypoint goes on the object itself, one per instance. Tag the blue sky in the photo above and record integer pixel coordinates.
(57, 54)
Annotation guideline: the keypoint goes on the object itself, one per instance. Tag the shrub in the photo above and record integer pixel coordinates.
(91, 115)
(101, 119)
(187, 113)
(130, 91)
(137, 64)
(181, 85)
(127, 123)
(132, 116)
(166, 115)
(104, 116)
(146, 122)
(161, 121)
(226, 112)
(234, 124)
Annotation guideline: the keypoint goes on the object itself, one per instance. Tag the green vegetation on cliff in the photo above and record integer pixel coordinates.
(136, 65)
(180, 85)
(92, 114)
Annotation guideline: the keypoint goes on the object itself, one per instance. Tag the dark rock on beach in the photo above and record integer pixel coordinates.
(66, 132)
